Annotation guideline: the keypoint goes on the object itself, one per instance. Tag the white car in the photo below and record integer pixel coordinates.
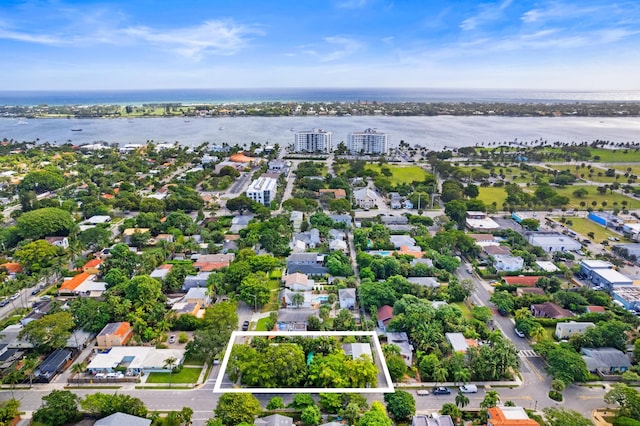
(468, 389)
(518, 332)
(15, 296)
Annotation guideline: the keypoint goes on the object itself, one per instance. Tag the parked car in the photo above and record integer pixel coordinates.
(15, 296)
(441, 390)
(518, 332)
(468, 388)
(4, 302)
(422, 392)
(245, 326)
(172, 339)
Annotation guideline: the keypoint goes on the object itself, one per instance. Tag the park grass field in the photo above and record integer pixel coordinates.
(612, 199)
(585, 171)
(490, 194)
(615, 155)
(401, 174)
(584, 226)
(635, 170)
(185, 375)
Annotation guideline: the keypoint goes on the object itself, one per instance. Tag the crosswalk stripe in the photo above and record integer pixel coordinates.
(528, 354)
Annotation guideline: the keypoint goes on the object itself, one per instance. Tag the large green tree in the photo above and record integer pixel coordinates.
(41, 181)
(103, 404)
(37, 255)
(235, 408)
(558, 416)
(627, 398)
(59, 407)
(219, 321)
(400, 404)
(376, 416)
(49, 221)
(49, 332)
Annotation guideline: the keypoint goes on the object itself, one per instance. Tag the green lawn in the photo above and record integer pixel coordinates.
(635, 170)
(465, 310)
(490, 194)
(401, 174)
(615, 155)
(583, 226)
(186, 375)
(594, 195)
(262, 324)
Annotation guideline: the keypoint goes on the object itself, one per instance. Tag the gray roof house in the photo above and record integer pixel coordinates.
(122, 419)
(53, 364)
(199, 280)
(274, 420)
(306, 263)
(605, 360)
(295, 319)
(336, 234)
(311, 238)
(401, 340)
(341, 218)
(432, 420)
(424, 281)
(347, 298)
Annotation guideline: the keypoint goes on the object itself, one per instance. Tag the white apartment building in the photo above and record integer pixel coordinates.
(368, 142)
(316, 140)
(263, 190)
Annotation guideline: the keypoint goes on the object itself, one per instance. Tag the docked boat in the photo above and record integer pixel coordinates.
(76, 130)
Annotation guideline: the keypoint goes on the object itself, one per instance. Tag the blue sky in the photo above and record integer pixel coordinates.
(147, 44)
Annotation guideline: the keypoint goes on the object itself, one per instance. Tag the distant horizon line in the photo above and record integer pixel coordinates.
(323, 88)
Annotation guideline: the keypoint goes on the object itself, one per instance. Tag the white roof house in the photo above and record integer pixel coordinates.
(457, 341)
(564, 330)
(357, 350)
(480, 221)
(508, 263)
(95, 220)
(546, 266)
(135, 359)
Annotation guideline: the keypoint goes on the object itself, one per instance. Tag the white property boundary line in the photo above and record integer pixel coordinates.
(374, 341)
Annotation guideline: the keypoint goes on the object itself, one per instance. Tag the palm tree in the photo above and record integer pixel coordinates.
(462, 400)
(440, 374)
(170, 363)
(29, 368)
(461, 375)
(78, 368)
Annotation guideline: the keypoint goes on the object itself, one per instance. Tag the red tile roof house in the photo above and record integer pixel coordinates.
(114, 334)
(594, 308)
(550, 310)
(385, 314)
(522, 281)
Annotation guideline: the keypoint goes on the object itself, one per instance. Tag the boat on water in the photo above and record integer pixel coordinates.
(21, 122)
(187, 121)
(76, 130)
(220, 128)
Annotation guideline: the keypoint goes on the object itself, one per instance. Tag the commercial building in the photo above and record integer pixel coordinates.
(632, 249)
(479, 221)
(588, 266)
(316, 140)
(606, 219)
(627, 297)
(369, 142)
(553, 241)
(631, 231)
(263, 190)
(610, 279)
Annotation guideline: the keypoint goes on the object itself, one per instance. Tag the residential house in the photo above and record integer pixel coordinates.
(597, 309)
(338, 245)
(547, 266)
(287, 299)
(509, 416)
(83, 284)
(198, 280)
(459, 343)
(274, 420)
(122, 419)
(161, 272)
(422, 261)
(365, 198)
(347, 298)
(565, 330)
(53, 365)
(298, 282)
(62, 242)
(198, 295)
(357, 350)
(385, 314)
(495, 250)
(337, 194)
(134, 359)
(407, 204)
(424, 281)
(306, 263)
(521, 291)
(92, 266)
(129, 232)
(394, 220)
(295, 319)
(79, 339)
(310, 238)
(296, 219)
(12, 268)
(98, 219)
(401, 340)
(335, 234)
(521, 280)
(213, 262)
(39, 310)
(508, 263)
(550, 310)
(169, 238)
(114, 334)
(190, 308)
(605, 360)
(395, 201)
(341, 218)
(434, 419)
(240, 222)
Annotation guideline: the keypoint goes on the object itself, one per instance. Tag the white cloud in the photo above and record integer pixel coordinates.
(352, 4)
(487, 13)
(338, 47)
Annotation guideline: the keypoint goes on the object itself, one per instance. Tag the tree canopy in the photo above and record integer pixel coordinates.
(46, 222)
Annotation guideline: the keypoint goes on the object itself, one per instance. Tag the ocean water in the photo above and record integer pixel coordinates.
(221, 96)
(435, 133)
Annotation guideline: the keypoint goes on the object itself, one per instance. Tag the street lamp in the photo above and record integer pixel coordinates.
(255, 302)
